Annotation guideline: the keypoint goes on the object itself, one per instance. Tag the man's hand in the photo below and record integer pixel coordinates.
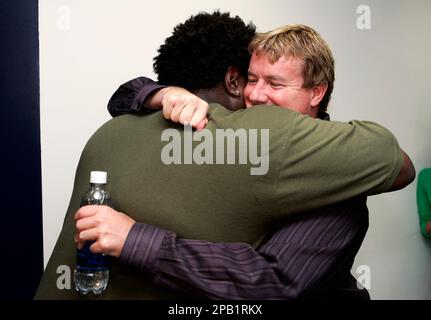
(181, 106)
(105, 226)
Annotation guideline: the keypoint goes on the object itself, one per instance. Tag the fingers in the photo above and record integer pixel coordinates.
(167, 110)
(199, 115)
(88, 235)
(86, 223)
(189, 114)
(181, 106)
(172, 99)
(102, 225)
(98, 247)
(86, 211)
(80, 228)
(90, 221)
(79, 243)
(91, 235)
(176, 112)
(202, 124)
(186, 115)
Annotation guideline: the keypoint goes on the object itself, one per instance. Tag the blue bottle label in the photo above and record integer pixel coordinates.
(90, 262)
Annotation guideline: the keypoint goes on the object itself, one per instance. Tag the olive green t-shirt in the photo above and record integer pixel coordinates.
(309, 164)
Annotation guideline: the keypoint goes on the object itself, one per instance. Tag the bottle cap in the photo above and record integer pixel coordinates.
(98, 177)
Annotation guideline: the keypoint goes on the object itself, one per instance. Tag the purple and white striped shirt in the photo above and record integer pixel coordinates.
(310, 257)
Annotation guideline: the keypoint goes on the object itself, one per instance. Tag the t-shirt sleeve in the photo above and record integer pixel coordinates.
(328, 162)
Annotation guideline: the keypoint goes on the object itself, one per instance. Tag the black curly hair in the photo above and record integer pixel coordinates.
(200, 51)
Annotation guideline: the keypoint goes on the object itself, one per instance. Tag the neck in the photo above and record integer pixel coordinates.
(206, 94)
(219, 95)
(216, 94)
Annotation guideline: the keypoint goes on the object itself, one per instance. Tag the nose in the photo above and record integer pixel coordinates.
(257, 94)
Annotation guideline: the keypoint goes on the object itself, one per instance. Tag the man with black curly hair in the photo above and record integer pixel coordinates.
(213, 58)
(235, 212)
(221, 39)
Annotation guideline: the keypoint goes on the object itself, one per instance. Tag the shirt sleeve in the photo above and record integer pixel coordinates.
(290, 265)
(131, 97)
(329, 162)
(423, 200)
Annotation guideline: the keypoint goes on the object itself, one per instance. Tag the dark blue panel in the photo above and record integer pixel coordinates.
(21, 195)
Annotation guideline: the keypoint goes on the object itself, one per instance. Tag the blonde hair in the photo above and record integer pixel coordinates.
(302, 42)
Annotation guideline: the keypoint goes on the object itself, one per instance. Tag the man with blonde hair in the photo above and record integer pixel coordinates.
(310, 255)
(292, 67)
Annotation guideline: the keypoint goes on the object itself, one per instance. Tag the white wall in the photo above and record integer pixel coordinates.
(88, 48)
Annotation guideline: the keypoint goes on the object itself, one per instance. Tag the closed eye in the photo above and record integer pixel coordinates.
(277, 86)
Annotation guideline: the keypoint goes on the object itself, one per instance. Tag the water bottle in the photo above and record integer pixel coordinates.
(92, 270)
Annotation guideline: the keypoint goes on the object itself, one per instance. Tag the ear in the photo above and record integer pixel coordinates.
(232, 81)
(317, 94)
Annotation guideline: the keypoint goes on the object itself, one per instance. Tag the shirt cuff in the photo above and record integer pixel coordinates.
(142, 246)
(139, 103)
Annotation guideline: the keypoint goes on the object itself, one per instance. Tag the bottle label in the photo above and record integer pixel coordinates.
(91, 262)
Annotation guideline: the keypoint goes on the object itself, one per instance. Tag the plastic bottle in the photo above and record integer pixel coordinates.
(92, 270)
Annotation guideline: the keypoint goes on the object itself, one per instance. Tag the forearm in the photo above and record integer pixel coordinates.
(154, 100)
(218, 270)
(212, 270)
(134, 97)
(288, 266)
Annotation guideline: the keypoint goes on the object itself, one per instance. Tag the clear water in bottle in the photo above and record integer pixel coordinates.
(92, 270)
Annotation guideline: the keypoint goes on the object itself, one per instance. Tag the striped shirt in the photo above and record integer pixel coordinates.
(309, 257)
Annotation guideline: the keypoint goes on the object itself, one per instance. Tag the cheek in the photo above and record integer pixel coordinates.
(291, 99)
(247, 91)
(303, 103)
(280, 98)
